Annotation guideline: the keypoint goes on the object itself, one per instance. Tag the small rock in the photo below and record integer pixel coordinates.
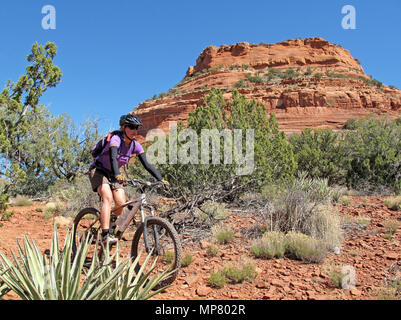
(276, 283)
(203, 291)
(262, 285)
(355, 292)
(234, 295)
(391, 256)
(191, 279)
(204, 244)
(337, 250)
(311, 295)
(298, 295)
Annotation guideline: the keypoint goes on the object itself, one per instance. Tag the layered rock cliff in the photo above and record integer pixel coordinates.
(306, 83)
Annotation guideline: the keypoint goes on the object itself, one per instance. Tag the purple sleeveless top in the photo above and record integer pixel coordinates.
(123, 155)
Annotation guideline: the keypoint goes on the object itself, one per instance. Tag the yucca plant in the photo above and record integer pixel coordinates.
(61, 276)
(3, 288)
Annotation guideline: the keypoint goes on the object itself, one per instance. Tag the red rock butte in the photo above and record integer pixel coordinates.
(307, 83)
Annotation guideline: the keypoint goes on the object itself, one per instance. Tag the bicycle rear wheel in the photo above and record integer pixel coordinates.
(166, 245)
(87, 222)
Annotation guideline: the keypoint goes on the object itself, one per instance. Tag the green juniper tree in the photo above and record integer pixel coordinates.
(36, 147)
(195, 183)
(19, 108)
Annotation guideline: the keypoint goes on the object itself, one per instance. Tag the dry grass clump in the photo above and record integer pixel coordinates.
(325, 225)
(303, 247)
(393, 203)
(293, 245)
(222, 233)
(21, 201)
(270, 245)
(391, 226)
(239, 272)
(305, 207)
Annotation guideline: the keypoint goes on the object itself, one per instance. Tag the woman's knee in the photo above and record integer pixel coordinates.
(105, 193)
(119, 196)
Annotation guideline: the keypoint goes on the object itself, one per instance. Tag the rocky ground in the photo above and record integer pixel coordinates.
(375, 257)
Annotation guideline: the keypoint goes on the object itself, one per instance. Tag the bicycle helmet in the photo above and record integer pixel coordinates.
(130, 119)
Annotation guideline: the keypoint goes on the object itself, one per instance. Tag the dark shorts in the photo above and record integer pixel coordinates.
(97, 178)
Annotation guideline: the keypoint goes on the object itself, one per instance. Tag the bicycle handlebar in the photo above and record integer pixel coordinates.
(143, 184)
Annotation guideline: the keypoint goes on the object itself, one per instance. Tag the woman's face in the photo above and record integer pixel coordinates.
(131, 131)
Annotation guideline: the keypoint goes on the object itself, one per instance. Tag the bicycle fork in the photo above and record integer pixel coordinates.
(145, 231)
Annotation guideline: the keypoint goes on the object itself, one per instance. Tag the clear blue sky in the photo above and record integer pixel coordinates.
(116, 54)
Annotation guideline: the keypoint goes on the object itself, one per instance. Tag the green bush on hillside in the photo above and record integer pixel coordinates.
(272, 154)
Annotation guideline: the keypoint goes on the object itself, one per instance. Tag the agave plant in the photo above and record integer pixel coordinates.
(62, 276)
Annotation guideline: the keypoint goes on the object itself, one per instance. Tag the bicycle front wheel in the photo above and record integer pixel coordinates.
(163, 239)
(87, 223)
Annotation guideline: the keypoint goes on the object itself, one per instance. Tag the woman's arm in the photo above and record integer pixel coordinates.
(149, 167)
(114, 162)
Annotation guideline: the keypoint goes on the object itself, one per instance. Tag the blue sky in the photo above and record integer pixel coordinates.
(116, 54)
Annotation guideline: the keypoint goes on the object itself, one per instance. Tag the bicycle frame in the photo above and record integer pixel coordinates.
(140, 203)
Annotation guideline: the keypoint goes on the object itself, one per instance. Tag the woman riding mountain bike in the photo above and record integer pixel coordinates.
(105, 176)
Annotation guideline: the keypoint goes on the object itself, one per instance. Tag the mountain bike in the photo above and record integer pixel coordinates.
(152, 234)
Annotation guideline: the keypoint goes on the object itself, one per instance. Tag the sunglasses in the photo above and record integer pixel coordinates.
(132, 127)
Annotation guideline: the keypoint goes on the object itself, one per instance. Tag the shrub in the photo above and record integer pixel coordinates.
(371, 82)
(271, 245)
(217, 279)
(240, 84)
(7, 215)
(305, 207)
(364, 158)
(391, 226)
(169, 256)
(274, 73)
(186, 260)
(372, 158)
(255, 79)
(333, 270)
(305, 248)
(3, 202)
(326, 226)
(318, 75)
(308, 71)
(345, 201)
(290, 74)
(77, 195)
(245, 271)
(272, 155)
(319, 153)
(212, 251)
(21, 201)
(222, 233)
(216, 211)
(393, 203)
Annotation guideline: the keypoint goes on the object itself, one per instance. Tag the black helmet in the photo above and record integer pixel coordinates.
(130, 119)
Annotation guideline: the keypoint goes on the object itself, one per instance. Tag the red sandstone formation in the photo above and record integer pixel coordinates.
(326, 86)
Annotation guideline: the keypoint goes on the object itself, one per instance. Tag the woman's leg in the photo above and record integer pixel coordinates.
(104, 191)
(119, 199)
